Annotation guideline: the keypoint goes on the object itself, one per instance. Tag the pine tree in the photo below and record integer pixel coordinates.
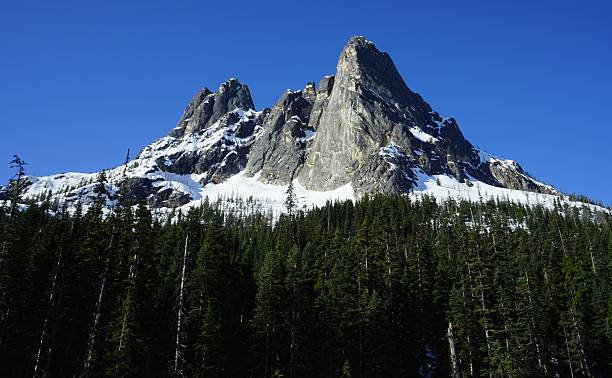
(269, 315)
(211, 340)
(208, 293)
(300, 317)
(134, 325)
(9, 254)
(383, 287)
(17, 183)
(290, 200)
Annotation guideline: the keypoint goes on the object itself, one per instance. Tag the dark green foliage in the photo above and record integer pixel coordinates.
(349, 290)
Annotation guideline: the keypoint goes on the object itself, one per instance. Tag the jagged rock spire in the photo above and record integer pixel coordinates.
(363, 126)
(370, 112)
(207, 107)
(369, 107)
(280, 151)
(362, 67)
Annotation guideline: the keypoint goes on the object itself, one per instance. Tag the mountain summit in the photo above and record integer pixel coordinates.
(359, 132)
(379, 135)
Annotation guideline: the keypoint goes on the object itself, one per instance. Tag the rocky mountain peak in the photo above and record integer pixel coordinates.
(361, 131)
(363, 68)
(326, 84)
(280, 151)
(377, 134)
(310, 92)
(206, 107)
(368, 108)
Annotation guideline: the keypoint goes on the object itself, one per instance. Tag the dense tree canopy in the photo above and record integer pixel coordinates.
(385, 287)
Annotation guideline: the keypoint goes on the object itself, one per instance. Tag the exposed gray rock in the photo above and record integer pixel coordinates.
(279, 153)
(309, 92)
(139, 188)
(363, 126)
(206, 107)
(322, 98)
(225, 146)
(510, 175)
(390, 171)
(370, 107)
(167, 197)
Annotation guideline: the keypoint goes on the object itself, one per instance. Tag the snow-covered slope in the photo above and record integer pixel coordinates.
(240, 193)
(359, 133)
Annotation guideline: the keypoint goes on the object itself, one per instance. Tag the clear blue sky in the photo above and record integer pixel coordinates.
(82, 81)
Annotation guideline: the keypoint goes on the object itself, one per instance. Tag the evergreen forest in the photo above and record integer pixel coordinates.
(384, 287)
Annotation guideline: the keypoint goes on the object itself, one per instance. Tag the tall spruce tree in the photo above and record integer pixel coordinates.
(383, 287)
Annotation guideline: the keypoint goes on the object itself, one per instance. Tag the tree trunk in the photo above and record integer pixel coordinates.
(455, 367)
(46, 321)
(98, 311)
(177, 352)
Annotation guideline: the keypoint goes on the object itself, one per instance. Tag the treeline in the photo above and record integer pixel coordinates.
(386, 287)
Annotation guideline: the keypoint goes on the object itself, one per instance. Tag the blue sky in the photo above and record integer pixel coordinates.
(80, 81)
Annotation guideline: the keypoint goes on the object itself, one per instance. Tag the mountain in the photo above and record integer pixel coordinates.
(359, 132)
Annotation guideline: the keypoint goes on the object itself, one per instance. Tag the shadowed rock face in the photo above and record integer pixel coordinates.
(207, 107)
(363, 126)
(280, 151)
(370, 107)
(346, 134)
(322, 99)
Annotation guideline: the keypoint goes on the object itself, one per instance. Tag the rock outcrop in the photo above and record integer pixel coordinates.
(280, 151)
(208, 107)
(370, 108)
(363, 127)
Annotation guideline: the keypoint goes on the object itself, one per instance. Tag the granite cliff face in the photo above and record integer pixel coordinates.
(208, 107)
(362, 128)
(376, 133)
(282, 147)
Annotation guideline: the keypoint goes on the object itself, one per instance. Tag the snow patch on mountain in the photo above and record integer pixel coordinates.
(240, 192)
(443, 187)
(510, 165)
(169, 147)
(247, 194)
(390, 152)
(422, 135)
